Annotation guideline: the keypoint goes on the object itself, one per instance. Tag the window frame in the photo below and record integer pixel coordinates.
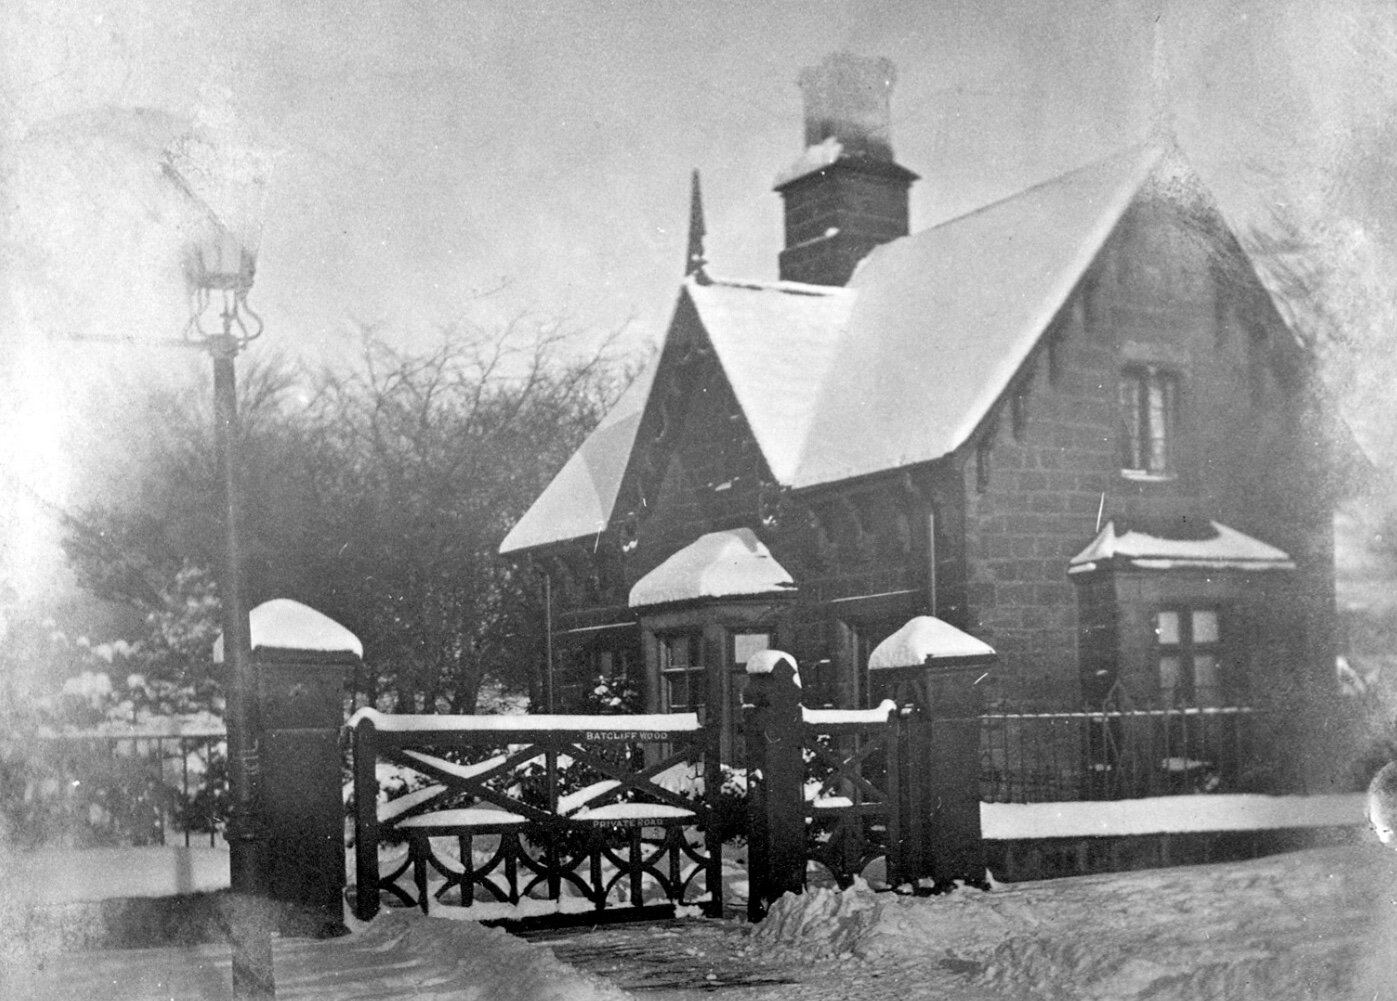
(1149, 421)
(1189, 651)
(694, 669)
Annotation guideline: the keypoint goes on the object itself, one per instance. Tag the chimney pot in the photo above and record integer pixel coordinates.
(848, 97)
(845, 194)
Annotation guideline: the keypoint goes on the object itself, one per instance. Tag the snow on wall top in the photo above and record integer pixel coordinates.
(572, 723)
(1227, 549)
(943, 319)
(579, 500)
(925, 639)
(289, 625)
(716, 565)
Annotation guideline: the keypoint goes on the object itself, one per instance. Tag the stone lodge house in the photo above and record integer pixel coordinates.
(1071, 423)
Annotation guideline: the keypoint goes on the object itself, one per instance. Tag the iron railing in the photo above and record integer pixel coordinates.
(88, 789)
(1124, 751)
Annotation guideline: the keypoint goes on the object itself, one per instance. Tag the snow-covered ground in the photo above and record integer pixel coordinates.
(1316, 924)
(1311, 924)
(399, 956)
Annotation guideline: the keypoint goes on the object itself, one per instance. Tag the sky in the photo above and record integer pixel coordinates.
(458, 162)
(426, 154)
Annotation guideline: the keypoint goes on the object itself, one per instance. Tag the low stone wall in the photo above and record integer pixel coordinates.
(1022, 859)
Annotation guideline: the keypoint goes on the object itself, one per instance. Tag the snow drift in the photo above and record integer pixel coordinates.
(1309, 925)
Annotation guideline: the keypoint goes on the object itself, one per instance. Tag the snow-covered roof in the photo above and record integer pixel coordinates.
(897, 368)
(289, 625)
(1222, 549)
(579, 500)
(775, 344)
(716, 565)
(943, 319)
(925, 640)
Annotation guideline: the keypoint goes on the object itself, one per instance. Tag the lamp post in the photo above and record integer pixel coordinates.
(219, 269)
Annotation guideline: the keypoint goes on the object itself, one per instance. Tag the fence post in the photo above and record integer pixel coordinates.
(953, 791)
(713, 795)
(365, 821)
(775, 782)
(904, 830)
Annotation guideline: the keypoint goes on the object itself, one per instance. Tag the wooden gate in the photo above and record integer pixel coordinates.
(844, 788)
(605, 812)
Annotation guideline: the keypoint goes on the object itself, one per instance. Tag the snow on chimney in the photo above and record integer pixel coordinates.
(844, 195)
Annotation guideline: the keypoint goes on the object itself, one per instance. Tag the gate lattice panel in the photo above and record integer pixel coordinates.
(614, 811)
(853, 789)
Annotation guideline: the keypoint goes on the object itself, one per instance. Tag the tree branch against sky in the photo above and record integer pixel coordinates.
(376, 492)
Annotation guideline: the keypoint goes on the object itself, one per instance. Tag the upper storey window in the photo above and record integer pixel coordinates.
(1149, 399)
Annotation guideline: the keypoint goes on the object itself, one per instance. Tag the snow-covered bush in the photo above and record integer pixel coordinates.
(63, 775)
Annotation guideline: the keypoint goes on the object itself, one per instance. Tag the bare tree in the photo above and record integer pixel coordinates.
(377, 493)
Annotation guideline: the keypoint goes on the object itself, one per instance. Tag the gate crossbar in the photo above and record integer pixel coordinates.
(624, 819)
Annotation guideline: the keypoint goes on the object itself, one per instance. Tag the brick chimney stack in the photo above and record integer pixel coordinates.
(845, 195)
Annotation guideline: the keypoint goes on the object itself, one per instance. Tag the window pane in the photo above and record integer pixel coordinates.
(1166, 628)
(697, 683)
(744, 645)
(1170, 676)
(1205, 626)
(1207, 678)
(675, 651)
(1130, 416)
(676, 694)
(1160, 401)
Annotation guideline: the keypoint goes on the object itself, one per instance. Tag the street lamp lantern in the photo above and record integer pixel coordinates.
(219, 263)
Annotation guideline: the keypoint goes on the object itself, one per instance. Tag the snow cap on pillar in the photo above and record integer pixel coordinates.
(283, 624)
(765, 662)
(926, 641)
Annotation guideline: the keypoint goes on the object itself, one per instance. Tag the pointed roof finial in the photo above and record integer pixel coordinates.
(1162, 130)
(696, 262)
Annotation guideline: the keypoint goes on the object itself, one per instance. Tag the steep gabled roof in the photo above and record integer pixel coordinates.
(775, 344)
(773, 341)
(944, 318)
(582, 496)
(900, 367)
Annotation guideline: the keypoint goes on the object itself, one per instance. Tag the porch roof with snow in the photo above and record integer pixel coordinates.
(899, 367)
(1221, 548)
(717, 565)
(925, 641)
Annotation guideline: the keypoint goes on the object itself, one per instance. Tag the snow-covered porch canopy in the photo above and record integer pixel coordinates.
(729, 564)
(926, 641)
(1218, 548)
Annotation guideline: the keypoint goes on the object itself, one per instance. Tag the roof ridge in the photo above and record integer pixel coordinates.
(1120, 154)
(789, 287)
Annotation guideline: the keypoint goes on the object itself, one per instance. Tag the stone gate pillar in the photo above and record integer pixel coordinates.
(935, 670)
(303, 660)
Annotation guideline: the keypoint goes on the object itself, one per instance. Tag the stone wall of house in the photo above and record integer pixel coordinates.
(1046, 469)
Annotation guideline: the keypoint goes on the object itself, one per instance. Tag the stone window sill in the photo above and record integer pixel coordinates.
(1142, 476)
